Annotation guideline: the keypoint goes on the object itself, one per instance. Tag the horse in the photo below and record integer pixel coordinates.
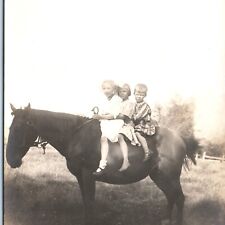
(77, 138)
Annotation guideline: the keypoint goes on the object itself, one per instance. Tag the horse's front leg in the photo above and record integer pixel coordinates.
(87, 186)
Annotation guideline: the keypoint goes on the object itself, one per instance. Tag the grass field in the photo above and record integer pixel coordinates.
(43, 192)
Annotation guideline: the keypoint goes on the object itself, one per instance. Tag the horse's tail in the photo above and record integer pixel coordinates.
(192, 146)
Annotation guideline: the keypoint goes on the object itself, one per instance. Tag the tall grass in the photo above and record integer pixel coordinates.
(43, 192)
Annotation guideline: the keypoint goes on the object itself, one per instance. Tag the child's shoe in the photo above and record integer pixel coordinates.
(99, 172)
(136, 143)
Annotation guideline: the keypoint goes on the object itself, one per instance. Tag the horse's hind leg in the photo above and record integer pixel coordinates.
(173, 192)
(179, 202)
(161, 181)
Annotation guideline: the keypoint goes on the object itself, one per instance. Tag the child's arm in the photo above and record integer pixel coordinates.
(107, 116)
(113, 110)
(123, 117)
(143, 112)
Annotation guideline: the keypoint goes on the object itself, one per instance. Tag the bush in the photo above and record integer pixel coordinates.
(178, 116)
(213, 149)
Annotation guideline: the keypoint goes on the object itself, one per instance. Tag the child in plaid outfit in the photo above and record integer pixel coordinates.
(142, 119)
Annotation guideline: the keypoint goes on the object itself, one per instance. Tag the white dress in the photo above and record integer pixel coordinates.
(111, 128)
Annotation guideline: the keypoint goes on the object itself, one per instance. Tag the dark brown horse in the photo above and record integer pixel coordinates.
(78, 140)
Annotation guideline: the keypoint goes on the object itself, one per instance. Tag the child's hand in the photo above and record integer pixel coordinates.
(131, 123)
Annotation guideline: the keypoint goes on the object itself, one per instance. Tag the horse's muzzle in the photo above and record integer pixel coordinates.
(15, 164)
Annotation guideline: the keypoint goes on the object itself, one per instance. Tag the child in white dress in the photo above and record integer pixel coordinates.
(110, 126)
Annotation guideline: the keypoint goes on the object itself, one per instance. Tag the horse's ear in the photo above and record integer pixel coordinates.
(13, 108)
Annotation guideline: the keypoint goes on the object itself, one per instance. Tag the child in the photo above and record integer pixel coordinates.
(142, 119)
(110, 126)
(126, 114)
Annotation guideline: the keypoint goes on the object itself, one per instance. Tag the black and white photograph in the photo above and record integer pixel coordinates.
(114, 112)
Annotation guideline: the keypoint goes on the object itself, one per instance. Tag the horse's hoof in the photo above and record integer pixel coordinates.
(166, 222)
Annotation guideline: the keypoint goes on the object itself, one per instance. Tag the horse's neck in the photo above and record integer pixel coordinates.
(55, 128)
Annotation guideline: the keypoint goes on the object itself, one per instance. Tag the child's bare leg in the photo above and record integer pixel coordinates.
(124, 149)
(144, 144)
(104, 154)
(104, 151)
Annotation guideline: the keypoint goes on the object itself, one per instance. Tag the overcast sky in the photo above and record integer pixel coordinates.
(58, 52)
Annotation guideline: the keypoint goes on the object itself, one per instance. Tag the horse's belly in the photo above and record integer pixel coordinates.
(135, 172)
(131, 175)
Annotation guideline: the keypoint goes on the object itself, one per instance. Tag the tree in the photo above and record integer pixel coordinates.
(178, 116)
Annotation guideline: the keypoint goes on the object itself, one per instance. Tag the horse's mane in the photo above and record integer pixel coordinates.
(60, 120)
(59, 115)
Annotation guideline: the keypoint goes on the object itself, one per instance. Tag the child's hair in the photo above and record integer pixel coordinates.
(141, 88)
(112, 83)
(125, 86)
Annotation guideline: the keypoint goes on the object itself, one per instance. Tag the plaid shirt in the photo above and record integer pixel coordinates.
(142, 111)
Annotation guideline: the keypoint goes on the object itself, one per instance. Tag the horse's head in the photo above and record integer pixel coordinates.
(22, 135)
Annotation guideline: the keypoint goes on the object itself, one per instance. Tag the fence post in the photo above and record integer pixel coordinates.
(203, 155)
(196, 156)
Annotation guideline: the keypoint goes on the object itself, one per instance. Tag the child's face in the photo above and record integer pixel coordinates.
(139, 96)
(108, 90)
(124, 93)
